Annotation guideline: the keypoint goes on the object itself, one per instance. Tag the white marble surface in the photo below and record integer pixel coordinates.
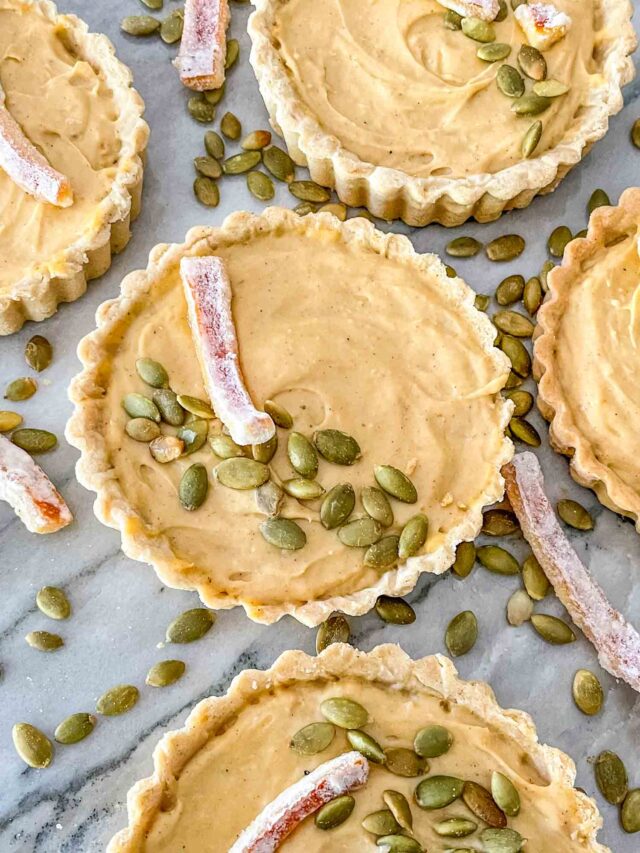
(121, 610)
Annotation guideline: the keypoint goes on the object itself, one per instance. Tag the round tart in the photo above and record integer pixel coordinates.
(228, 741)
(348, 329)
(399, 114)
(585, 351)
(73, 100)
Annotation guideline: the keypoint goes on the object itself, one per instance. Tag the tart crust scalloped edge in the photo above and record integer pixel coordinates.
(94, 469)
(565, 436)
(393, 194)
(64, 278)
(387, 665)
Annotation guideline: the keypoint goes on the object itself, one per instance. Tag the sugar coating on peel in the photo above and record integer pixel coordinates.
(484, 10)
(202, 54)
(542, 24)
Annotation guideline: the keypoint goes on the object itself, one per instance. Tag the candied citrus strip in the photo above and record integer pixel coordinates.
(203, 46)
(542, 24)
(484, 10)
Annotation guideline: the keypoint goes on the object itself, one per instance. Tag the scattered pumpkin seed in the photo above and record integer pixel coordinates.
(260, 186)
(514, 324)
(501, 841)
(534, 579)
(481, 301)
(598, 198)
(32, 745)
(463, 247)
(242, 473)
(241, 163)
(302, 455)
(214, 144)
(266, 451)
(366, 745)
(344, 713)
(531, 139)
(152, 373)
(451, 273)
(214, 96)
(510, 290)
(587, 692)
(335, 629)
(142, 429)
(337, 447)
(200, 109)
(404, 762)
(413, 536)
(312, 739)
(635, 133)
(279, 163)
(278, 414)
(336, 209)
(172, 26)
(283, 533)
(309, 191)
(75, 728)
(550, 88)
(558, 240)
(256, 140)
(303, 490)
(233, 52)
(499, 522)
(465, 559)
(503, 11)
(532, 295)
(376, 504)
(399, 807)
(530, 105)
(139, 25)
(117, 700)
(525, 432)
(505, 794)
(522, 402)
(611, 777)
(382, 554)
(575, 515)
(552, 629)
(9, 421)
(478, 30)
(34, 440)
(381, 822)
(225, 447)
(395, 483)
(519, 608)
(630, 812)
(497, 560)
(206, 191)
(581, 234)
(337, 505)
(398, 844)
(395, 611)
(334, 812)
(194, 485)
(437, 792)
(455, 827)
(513, 380)
(38, 353)
(167, 404)
(452, 20)
(190, 626)
(20, 389)
(509, 81)
(156, 5)
(505, 248)
(208, 166)
(517, 354)
(546, 268)
(53, 602)
(493, 52)
(230, 126)
(305, 207)
(462, 633)
(360, 533)
(139, 406)
(532, 63)
(165, 672)
(269, 497)
(166, 448)
(44, 641)
(433, 741)
(194, 434)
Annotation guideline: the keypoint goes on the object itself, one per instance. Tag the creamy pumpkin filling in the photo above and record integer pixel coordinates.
(598, 340)
(399, 89)
(344, 338)
(67, 111)
(249, 762)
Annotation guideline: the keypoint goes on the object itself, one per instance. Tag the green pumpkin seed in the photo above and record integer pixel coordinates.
(513, 380)
(534, 579)
(336, 209)
(278, 414)
(256, 140)
(200, 109)
(9, 421)
(452, 20)
(505, 248)
(21, 389)
(575, 515)
(531, 139)
(53, 602)
(404, 762)
(376, 504)
(480, 803)
(266, 451)
(517, 354)
(33, 747)
(399, 844)
(481, 301)
(455, 827)
(505, 794)
(269, 497)
(478, 30)
(501, 841)
(433, 741)
(502, 12)
(462, 633)
(172, 26)
(309, 191)
(497, 560)
(532, 63)
(166, 448)
(451, 273)
(214, 145)
(465, 559)
(194, 434)
(230, 126)
(165, 672)
(337, 506)
(117, 700)
(34, 440)
(44, 641)
(550, 88)
(399, 807)
(382, 554)
(38, 353)
(547, 266)
(194, 485)
(302, 455)
(156, 5)
(260, 186)
(558, 240)
(519, 608)
(630, 812)
(360, 533)
(214, 96)
(279, 163)
(463, 247)
(167, 404)
(611, 777)
(225, 447)
(598, 198)
(499, 522)
(305, 207)
(233, 52)
(335, 812)
(337, 447)
(312, 739)
(552, 629)
(240, 473)
(303, 490)
(381, 822)
(152, 373)
(335, 629)
(139, 406)
(395, 483)
(75, 728)
(510, 290)
(206, 191)
(190, 626)
(283, 533)
(413, 536)
(241, 163)
(587, 692)
(395, 611)
(344, 713)
(436, 792)
(530, 105)
(525, 432)
(139, 25)
(142, 429)
(635, 133)
(522, 402)
(532, 295)
(514, 324)
(208, 166)
(579, 235)
(509, 81)
(493, 52)
(366, 745)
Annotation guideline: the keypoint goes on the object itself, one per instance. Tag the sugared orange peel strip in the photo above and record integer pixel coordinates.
(203, 47)
(485, 10)
(279, 819)
(26, 166)
(208, 293)
(542, 24)
(28, 490)
(616, 641)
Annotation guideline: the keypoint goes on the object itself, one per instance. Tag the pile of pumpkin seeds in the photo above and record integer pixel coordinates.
(38, 356)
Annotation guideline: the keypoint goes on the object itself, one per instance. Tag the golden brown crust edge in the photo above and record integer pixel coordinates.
(386, 665)
(605, 224)
(94, 469)
(37, 295)
(392, 193)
